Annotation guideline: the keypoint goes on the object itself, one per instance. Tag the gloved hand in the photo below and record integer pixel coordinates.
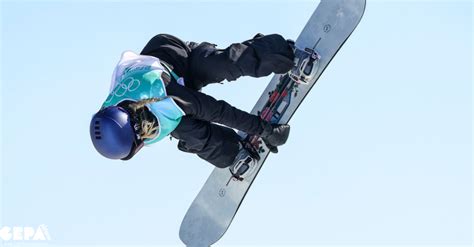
(275, 135)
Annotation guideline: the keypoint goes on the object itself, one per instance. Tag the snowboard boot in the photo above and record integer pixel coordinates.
(245, 161)
(275, 135)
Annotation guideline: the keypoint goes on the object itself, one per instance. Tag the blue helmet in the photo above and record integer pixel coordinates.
(113, 133)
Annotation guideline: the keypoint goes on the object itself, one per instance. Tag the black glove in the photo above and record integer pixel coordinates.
(275, 135)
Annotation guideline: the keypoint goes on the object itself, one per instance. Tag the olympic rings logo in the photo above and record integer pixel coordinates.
(128, 84)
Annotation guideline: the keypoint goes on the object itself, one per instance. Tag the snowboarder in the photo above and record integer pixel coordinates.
(157, 93)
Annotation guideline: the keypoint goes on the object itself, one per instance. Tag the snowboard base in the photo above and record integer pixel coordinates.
(214, 208)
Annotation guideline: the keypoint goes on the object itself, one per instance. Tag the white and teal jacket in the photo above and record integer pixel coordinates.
(138, 77)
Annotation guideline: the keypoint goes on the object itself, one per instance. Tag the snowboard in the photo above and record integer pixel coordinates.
(215, 206)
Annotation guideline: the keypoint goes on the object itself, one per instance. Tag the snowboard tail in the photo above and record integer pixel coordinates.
(214, 208)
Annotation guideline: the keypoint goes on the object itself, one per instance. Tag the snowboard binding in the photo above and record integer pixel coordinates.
(306, 66)
(245, 161)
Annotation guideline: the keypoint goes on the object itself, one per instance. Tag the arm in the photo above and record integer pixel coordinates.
(204, 107)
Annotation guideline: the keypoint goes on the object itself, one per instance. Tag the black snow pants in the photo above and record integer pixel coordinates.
(202, 131)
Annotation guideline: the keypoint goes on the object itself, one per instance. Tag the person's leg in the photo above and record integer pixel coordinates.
(170, 50)
(256, 57)
(214, 143)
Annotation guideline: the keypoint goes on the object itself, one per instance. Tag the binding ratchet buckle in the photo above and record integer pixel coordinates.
(307, 65)
(245, 162)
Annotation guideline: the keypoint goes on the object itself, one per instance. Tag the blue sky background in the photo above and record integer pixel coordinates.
(380, 151)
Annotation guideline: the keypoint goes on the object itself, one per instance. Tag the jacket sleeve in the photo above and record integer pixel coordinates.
(204, 107)
(256, 57)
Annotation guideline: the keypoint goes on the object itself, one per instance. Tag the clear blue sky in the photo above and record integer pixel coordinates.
(380, 152)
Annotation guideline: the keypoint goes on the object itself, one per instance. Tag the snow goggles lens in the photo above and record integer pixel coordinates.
(137, 145)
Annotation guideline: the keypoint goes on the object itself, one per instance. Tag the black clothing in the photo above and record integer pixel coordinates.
(204, 107)
(201, 64)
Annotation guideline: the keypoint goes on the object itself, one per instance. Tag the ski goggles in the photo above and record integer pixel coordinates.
(138, 142)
